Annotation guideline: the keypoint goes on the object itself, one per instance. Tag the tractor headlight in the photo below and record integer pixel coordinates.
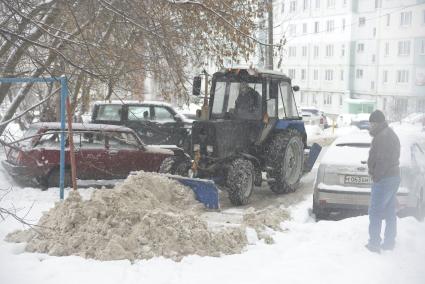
(196, 147)
(210, 149)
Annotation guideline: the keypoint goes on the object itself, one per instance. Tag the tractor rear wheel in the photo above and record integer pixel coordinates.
(175, 166)
(240, 181)
(285, 160)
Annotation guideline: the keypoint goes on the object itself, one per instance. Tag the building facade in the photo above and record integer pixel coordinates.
(354, 55)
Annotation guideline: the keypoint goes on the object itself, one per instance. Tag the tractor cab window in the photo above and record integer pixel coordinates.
(241, 100)
(286, 101)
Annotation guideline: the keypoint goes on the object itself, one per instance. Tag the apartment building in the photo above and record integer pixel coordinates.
(354, 55)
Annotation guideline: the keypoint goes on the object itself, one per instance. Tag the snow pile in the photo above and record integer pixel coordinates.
(146, 216)
(264, 220)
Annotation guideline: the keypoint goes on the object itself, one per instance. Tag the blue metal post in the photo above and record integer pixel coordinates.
(64, 94)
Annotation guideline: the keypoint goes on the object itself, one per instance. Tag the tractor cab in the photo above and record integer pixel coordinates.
(247, 94)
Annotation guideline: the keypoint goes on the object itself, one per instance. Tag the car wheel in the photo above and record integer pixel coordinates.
(54, 178)
(420, 207)
(175, 166)
(240, 181)
(285, 161)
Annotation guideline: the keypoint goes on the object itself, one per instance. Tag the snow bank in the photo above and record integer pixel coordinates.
(146, 216)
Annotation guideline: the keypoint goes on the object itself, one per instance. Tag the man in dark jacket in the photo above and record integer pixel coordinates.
(384, 169)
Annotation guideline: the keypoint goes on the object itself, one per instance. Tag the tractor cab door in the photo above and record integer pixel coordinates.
(270, 115)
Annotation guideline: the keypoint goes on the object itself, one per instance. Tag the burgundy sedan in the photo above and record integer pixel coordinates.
(101, 152)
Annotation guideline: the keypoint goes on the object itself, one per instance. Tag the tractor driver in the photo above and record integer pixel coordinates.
(248, 102)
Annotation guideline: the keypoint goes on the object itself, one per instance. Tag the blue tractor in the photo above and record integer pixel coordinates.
(253, 126)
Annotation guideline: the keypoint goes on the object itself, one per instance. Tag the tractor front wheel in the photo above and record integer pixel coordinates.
(240, 181)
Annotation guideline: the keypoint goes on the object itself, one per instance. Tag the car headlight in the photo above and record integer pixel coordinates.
(196, 147)
(210, 149)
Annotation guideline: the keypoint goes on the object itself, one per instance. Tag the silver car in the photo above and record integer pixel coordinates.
(343, 184)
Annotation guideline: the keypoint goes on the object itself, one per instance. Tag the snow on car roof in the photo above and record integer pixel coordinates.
(82, 126)
(129, 102)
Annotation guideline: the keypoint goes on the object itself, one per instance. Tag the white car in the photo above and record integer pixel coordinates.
(343, 184)
(314, 116)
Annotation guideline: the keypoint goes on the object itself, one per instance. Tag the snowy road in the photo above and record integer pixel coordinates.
(305, 252)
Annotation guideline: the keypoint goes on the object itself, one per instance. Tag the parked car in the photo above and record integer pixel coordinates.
(314, 116)
(101, 152)
(343, 184)
(361, 120)
(156, 123)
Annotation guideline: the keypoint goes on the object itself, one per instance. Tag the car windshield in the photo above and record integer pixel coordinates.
(237, 99)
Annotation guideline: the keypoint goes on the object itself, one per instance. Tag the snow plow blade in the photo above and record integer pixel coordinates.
(205, 191)
(312, 153)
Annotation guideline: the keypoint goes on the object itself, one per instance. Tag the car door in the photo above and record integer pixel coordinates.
(140, 119)
(170, 128)
(91, 155)
(127, 154)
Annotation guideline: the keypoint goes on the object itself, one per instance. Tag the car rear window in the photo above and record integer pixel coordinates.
(355, 145)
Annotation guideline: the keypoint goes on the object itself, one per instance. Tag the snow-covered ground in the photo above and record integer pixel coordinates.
(305, 252)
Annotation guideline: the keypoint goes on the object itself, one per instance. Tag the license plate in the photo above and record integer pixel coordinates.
(357, 179)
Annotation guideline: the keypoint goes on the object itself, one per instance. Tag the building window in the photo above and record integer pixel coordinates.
(341, 100)
(317, 4)
(316, 27)
(292, 30)
(402, 76)
(373, 57)
(388, 19)
(292, 6)
(405, 19)
(329, 50)
(387, 49)
(404, 48)
(344, 3)
(327, 99)
(316, 51)
(341, 75)
(401, 106)
(331, 3)
(378, 4)
(330, 26)
(304, 51)
(359, 73)
(343, 50)
(385, 76)
(372, 85)
(384, 103)
(343, 24)
(423, 17)
(302, 74)
(422, 47)
(420, 105)
(305, 5)
(304, 28)
(292, 51)
(291, 73)
(282, 8)
(374, 32)
(360, 47)
(329, 74)
(315, 74)
(362, 21)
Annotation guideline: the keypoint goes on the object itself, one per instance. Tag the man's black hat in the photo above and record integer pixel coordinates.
(377, 116)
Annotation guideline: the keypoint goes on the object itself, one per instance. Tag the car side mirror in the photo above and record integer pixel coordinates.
(197, 81)
(296, 88)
